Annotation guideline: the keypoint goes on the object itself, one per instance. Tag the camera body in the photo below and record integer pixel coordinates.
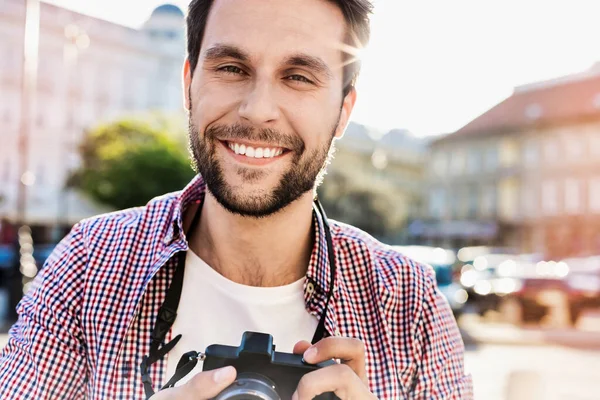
(263, 373)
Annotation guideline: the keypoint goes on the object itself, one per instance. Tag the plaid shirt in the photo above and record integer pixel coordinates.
(85, 325)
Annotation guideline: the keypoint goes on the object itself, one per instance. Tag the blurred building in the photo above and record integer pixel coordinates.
(384, 173)
(525, 174)
(89, 70)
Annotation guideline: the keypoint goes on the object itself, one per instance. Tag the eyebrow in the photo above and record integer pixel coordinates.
(315, 63)
(220, 51)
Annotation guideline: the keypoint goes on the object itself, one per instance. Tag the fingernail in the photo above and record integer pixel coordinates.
(224, 374)
(310, 353)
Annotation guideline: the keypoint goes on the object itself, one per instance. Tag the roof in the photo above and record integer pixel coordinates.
(403, 139)
(541, 105)
(168, 9)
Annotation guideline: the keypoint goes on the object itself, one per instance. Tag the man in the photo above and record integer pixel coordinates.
(269, 85)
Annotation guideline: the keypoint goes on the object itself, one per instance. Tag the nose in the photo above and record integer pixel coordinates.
(259, 106)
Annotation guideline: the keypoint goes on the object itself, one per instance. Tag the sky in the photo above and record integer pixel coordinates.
(434, 65)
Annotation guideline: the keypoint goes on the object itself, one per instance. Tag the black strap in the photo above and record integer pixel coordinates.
(166, 315)
(321, 332)
(186, 364)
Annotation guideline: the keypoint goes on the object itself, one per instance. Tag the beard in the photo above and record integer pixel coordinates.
(305, 173)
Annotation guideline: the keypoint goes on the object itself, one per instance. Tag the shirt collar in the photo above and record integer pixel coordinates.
(193, 193)
(319, 270)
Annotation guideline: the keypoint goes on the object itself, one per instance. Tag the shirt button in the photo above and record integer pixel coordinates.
(310, 288)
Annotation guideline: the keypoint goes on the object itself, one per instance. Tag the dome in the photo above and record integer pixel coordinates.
(168, 9)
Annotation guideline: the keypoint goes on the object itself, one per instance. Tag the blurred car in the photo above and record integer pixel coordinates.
(583, 285)
(6, 256)
(442, 261)
(490, 277)
(9, 256)
(569, 287)
(479, 277)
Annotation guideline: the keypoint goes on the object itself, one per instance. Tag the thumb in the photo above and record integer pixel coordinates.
(206, 384)
(301, 347)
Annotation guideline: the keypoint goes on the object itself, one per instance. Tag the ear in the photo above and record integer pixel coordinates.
(347, 107)
(187, 82)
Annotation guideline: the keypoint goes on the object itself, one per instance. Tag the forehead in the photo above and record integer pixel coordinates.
(272, 28)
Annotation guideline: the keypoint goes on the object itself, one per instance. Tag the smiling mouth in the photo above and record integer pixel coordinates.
(255, 152)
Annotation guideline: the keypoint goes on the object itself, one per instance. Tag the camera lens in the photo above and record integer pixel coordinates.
(249, 386)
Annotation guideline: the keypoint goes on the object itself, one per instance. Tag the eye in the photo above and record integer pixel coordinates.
(299, 78)
(231, 69)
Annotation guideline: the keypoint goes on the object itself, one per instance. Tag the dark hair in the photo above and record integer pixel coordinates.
(356, 13)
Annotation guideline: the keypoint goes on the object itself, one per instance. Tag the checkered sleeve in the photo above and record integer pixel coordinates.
(45, 357)
(440, 358)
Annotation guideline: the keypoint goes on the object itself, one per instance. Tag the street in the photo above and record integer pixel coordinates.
(513, 372)
(533, 363)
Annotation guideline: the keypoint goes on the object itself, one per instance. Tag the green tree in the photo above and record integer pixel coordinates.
(127, 162)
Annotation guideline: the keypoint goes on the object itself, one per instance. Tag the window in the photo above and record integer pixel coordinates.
(459, 203)
(509, 152)
(509, 197)
(551, 150)
(529, 205)
(473, 202)
(595, 143)
(573, 189)
(440, 164)
(6, 117)
(550, 197)
(437, 202)
(457, 162)
(531, 154)
(488, 201)
(575, 146)
(491, 159)
(6, 172)
(594, 195)
(474, 161)
(39, 176)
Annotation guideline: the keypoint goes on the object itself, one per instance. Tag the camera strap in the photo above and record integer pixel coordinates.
(168, 312)
(321, 332)
(166, 317)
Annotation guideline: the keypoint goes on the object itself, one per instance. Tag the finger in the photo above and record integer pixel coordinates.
(338, 378)
(349, 350)
(301, 346)
(204, 386)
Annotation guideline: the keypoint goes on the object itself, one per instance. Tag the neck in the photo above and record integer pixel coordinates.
(269, 251)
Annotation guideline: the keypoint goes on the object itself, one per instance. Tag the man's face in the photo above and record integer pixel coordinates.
(266, 101)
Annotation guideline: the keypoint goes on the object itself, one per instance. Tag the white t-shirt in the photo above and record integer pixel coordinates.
(214, 310)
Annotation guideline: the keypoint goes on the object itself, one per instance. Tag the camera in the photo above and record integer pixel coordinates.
(262, 373)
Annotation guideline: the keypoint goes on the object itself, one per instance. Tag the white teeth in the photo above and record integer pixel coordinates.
(249, 151)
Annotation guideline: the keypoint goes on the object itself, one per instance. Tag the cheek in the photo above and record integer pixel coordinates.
(314, 118)
(212, 101)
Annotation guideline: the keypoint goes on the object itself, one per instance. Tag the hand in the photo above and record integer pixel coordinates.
(203, 386)
(347, 380)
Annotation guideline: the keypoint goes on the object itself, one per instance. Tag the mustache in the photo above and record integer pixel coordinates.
(266, 135)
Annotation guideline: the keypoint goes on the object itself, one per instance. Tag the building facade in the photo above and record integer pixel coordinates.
(376, 180)
(88, 71)
(525, 174)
